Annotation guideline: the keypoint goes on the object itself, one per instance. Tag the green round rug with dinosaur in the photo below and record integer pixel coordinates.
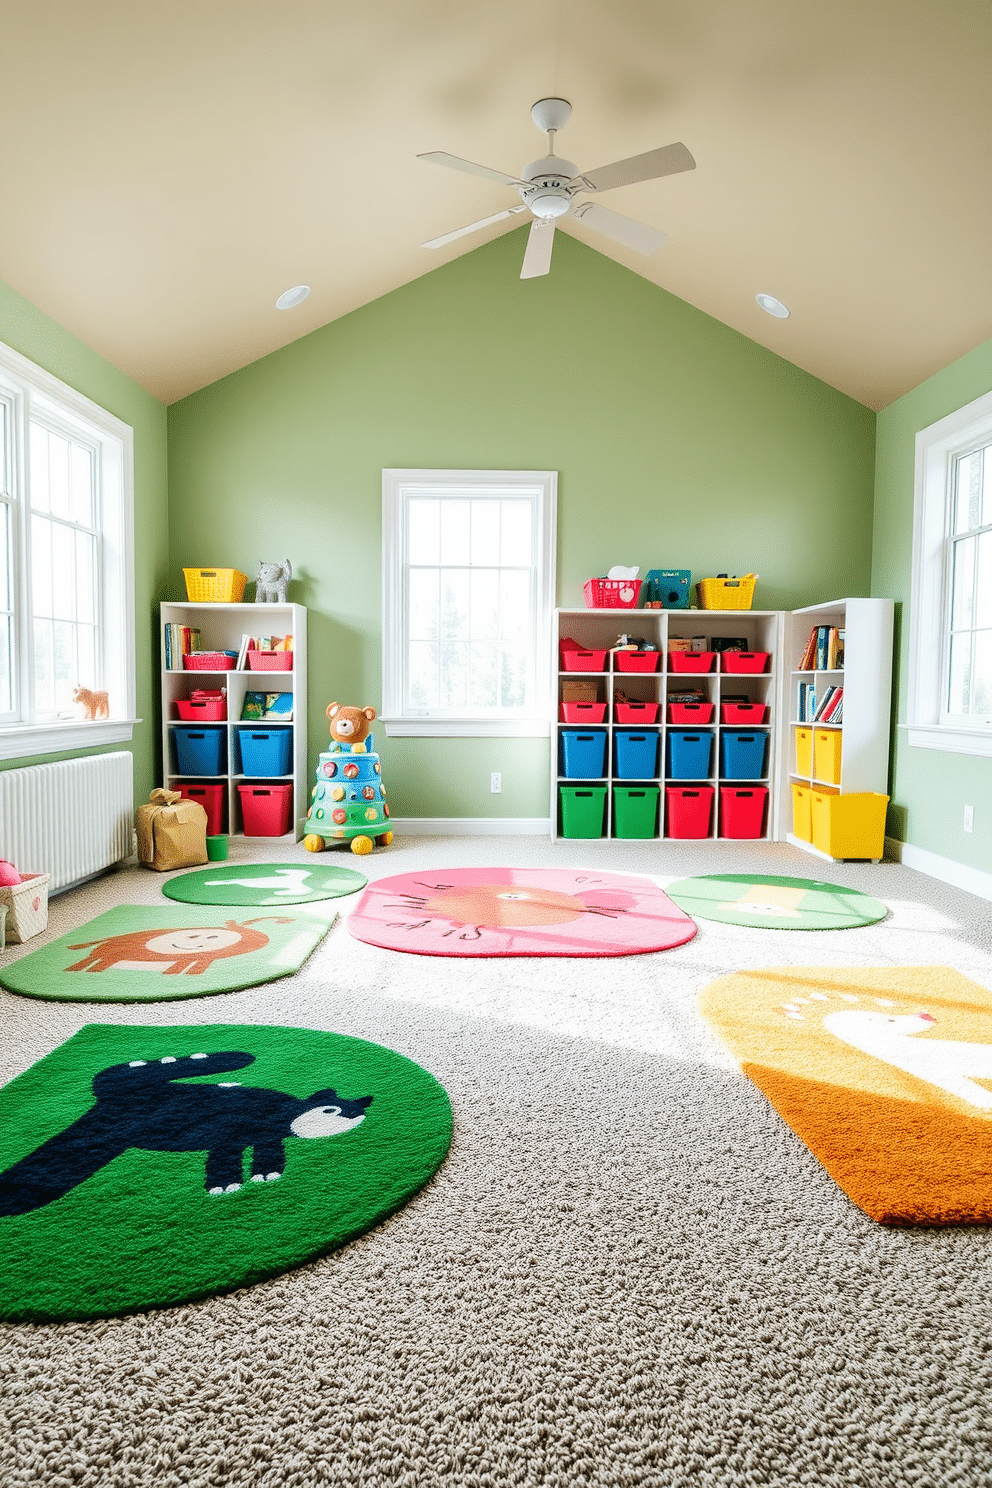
(143, 1167)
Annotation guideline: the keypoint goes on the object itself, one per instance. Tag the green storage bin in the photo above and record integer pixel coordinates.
(583, 810)
(635, 810)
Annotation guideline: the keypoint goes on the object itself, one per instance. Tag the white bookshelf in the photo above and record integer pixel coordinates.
(599, 629)
(866, 678)
(221, 628)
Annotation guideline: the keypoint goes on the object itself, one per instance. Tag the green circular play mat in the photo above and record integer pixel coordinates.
(143, 1167)
(770, 902)
(266, 884)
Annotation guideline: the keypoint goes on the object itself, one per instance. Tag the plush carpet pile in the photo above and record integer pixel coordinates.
(628, 1273)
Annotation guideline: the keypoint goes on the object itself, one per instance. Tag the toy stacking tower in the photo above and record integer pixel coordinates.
(348, 801)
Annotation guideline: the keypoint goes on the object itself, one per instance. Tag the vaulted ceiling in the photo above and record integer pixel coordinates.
(168, 170)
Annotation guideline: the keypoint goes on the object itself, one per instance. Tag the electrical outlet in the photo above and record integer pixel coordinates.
(969, 818)
(495, 783)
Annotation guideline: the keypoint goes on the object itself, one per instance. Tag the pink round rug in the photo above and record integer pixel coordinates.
(519, 912)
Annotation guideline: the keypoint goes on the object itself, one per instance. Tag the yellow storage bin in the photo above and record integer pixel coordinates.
(848, 826)
(214, 585)
(804, 751)
(826, 755)
(726, 594)
(802, 820)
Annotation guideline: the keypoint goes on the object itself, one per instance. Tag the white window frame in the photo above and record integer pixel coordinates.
(28, 388)
(937, 447)
(398, 486)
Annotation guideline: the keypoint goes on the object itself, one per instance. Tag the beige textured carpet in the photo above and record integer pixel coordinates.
(628, 1272)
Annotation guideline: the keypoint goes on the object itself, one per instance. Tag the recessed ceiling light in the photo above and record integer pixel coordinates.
(773, 306)
(296, 295)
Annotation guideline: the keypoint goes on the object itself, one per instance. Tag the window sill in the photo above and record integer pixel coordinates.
(465, 728)
(20, 741)
(955, 740)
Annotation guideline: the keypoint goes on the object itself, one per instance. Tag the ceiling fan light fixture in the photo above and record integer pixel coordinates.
(548, 204)
(773, 306)
(291, 297)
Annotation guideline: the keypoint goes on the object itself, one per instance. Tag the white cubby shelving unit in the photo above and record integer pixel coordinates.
(599, 629)
(866, 677)
(221, 628)
(866, 680)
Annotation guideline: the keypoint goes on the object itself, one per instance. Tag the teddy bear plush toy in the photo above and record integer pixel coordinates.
(349, 728)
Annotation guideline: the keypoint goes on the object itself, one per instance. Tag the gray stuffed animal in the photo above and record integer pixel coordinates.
(272, 582)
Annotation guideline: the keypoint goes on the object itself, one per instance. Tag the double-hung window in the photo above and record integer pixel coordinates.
(66, 563)
(468, 589)
(950, 698)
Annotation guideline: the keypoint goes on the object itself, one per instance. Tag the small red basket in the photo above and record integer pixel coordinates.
(691, 661)
(611, 594)
(691, 713)
(637, 712)
(202, 710)
(582, 661)
(270, 661)
(636, 661)
(744, 661)
(582, 712)
(743, 713)
(209, 661)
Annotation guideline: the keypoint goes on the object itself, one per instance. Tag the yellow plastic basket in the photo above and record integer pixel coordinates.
(727, 594)
(214, 585)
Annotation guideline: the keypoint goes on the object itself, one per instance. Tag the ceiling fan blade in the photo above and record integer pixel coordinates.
(460, 232)
(620, 228)
(537, 256)
(667, 161)
(455, 162)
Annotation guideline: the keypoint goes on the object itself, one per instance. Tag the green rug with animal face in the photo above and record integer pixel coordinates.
(143, 1167)
(770, 902)
(147, 953)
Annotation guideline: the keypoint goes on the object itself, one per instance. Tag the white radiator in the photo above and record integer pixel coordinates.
(72, 818)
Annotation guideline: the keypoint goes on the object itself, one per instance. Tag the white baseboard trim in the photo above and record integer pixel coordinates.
(972, 880)
(471, 826)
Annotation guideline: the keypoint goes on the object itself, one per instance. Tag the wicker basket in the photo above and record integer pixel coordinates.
(214, 585)
(270, 661)
(27, 906)
(209, 661)
(727, 594)
(611, 594)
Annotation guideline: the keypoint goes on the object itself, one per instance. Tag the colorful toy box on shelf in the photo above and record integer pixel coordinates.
(348, 803)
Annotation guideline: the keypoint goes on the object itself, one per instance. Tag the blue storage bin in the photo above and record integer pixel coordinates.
(637, 754)
(200, 751)
(743, 754)
(583, 754)
(265, 751)
(690, 752)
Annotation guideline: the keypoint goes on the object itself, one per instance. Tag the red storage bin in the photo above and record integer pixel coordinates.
(267, 809)
(691, 661)
(270, 661)
(582, 712)
(211, 797)
(209, 661)
(640, 713)
(582, 661)
(746, 713)
(611, 594)
(742, 810)
(636, 661)
(691, 713)
(202, 709)
(688, 810)
(744, 661)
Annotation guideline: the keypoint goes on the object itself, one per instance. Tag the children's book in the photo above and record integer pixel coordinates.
(268, 707)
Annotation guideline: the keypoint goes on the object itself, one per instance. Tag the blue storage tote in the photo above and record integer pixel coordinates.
(637, 754)
(200, 751)
(583, 754)
(265, 751)
(743, 754)
(690, 752)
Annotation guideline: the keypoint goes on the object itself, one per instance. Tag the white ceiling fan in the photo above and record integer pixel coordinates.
(548, 186)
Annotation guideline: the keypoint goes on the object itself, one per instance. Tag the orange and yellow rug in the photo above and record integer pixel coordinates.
(885, 1073)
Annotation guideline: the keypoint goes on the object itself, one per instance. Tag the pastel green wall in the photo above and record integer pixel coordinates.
(929, 787)
(678, 442)
(36, 336)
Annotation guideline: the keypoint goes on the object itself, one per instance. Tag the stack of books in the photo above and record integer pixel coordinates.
(262, 643)
(824, 650)
(180, 641)
(827, 708)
